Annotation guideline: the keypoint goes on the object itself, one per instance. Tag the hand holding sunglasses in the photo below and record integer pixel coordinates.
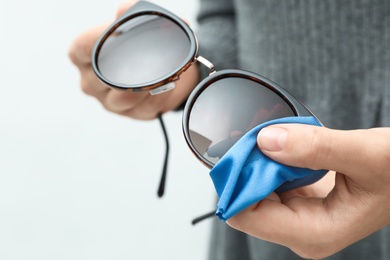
(148, 48)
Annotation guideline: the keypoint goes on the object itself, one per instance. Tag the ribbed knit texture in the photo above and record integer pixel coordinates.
(333, 55)
(330, 54)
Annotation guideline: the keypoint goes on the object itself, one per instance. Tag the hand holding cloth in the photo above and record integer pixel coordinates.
(244, 175)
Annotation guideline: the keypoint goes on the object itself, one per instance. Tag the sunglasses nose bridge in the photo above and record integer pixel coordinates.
(207, 63)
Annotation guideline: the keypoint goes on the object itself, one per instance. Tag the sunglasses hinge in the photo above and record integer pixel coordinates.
(207, 63)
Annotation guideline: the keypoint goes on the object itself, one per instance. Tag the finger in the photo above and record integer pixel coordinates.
(319, 189)
(91, 85)
(123, 7)
(311, 227)
(81, 49)
(153, 105)
(350, 152)
(150, 106)
(122, 102)
(267, 220)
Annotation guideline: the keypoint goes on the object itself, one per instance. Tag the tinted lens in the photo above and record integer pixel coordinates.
(143, 49)
(229, 108)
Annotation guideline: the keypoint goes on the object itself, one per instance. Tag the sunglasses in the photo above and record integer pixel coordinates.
(148, 48)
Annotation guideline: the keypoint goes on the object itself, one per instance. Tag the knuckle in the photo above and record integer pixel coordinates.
(72, 54)
(235, 223)
(318, 149)
(312, 252)
(379, 161)
(109, 108)
(80, 51)
(381, 165)
(316, 248)
(86, 87)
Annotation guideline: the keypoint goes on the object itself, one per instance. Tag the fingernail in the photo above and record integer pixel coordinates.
(272, 138)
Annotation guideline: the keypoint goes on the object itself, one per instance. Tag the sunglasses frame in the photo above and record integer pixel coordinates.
(146, 8)
(297, 107)
(139, 9)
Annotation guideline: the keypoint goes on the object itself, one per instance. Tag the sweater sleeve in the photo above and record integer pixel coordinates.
(217, 34)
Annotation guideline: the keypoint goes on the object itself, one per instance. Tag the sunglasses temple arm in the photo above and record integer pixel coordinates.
(203, 217)
(161, 187)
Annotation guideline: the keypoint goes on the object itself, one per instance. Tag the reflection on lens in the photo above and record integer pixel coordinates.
(142, 50)
(229, 108)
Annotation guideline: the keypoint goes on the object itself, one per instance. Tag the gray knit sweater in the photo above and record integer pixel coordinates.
(333, 55)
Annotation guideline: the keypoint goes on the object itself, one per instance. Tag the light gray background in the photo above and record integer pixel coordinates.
(77, 182)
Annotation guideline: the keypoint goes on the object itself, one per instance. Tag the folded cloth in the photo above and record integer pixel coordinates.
(244, 175)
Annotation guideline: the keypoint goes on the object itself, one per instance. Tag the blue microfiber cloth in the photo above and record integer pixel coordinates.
(244, 175)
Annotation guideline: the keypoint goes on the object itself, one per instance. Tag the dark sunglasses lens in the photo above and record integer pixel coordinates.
(229, 108)
(142, 50)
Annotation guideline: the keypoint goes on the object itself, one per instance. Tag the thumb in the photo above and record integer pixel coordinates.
(353, 153)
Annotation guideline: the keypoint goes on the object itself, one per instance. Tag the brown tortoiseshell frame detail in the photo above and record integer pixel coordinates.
(139, 9)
